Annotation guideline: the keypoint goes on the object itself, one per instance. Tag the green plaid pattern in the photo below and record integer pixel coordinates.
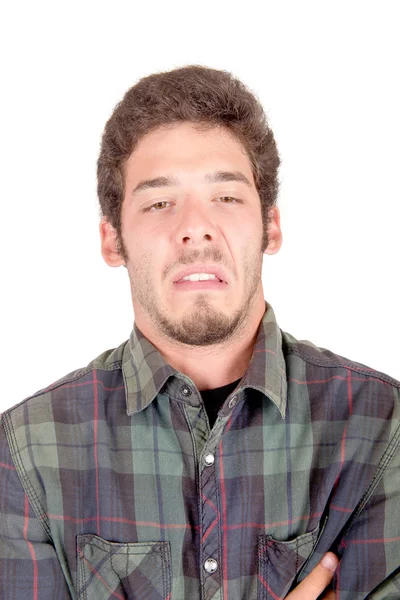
(106, 491)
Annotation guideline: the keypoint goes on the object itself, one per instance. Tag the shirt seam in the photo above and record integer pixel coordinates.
(385, 461)
(183, 408)
(23, 477)
(55, 386)
(320, 362)
(219, 504)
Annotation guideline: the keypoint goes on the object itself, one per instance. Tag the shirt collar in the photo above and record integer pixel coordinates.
(145, 370)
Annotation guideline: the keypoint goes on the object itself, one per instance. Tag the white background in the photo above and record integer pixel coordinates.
(327, 74)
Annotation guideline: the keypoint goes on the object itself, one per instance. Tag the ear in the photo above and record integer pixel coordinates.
(274, 231)
(109, 244)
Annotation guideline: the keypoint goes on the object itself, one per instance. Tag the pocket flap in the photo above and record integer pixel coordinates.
(279, 562)
(132, 571)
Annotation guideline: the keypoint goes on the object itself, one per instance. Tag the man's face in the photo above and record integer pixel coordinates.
(193, 220)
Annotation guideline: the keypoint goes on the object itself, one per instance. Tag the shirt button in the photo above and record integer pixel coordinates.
(233, 401)
(209, 459)
(186, 391)
(211, 565)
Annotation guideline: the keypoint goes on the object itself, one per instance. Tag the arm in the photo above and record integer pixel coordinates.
(29, 567)
(370, 551)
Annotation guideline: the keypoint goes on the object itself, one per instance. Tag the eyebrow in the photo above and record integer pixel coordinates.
(167, 181)
(221, 176)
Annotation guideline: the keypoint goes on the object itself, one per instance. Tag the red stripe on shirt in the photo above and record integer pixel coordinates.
(224, 525)
(31, 549)
(95, 425)
(265, 584)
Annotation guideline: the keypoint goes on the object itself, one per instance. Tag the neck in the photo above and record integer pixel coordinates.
(212, 366)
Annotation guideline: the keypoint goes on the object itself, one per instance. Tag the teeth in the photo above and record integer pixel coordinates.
(199, 277)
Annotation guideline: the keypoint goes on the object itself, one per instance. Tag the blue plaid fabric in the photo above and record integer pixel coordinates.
(113, 485)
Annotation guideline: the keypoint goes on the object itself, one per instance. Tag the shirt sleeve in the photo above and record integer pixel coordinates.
(370, 551)
(29, 567)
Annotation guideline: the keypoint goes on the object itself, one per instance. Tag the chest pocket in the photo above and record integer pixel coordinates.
(280, 562)
(118, 570)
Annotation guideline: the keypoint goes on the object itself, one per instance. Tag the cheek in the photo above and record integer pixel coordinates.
(138, 237)
(146, 232)
(245, 235)
(149, 258)
(251, 255)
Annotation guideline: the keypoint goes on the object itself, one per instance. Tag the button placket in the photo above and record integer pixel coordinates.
(210, 515)
(211, 518)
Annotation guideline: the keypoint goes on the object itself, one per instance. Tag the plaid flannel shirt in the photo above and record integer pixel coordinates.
(114, 487)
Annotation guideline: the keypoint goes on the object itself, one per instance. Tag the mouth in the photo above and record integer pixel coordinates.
(211, 284)
(199, 277)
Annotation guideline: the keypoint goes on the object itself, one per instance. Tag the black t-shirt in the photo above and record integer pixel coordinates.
(214, 399)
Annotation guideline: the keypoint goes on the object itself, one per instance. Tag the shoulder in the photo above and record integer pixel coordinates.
(316, 356)
(105, 365)
(338, 387)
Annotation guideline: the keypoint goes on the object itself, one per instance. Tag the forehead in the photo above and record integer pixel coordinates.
(187, 148)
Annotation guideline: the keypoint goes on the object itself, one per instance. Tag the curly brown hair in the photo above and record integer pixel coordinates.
(200, 95)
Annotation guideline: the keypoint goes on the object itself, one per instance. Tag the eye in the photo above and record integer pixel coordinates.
(156, 204)
(228, 198)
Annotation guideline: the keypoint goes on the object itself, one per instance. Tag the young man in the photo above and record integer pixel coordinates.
(211, 456)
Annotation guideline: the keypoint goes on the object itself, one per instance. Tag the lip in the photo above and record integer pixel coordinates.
(200, 285)
(201, 269)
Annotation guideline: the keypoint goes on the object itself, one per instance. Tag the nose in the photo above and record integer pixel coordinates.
(195, 224)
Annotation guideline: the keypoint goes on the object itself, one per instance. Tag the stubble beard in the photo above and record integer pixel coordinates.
(205, 324)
